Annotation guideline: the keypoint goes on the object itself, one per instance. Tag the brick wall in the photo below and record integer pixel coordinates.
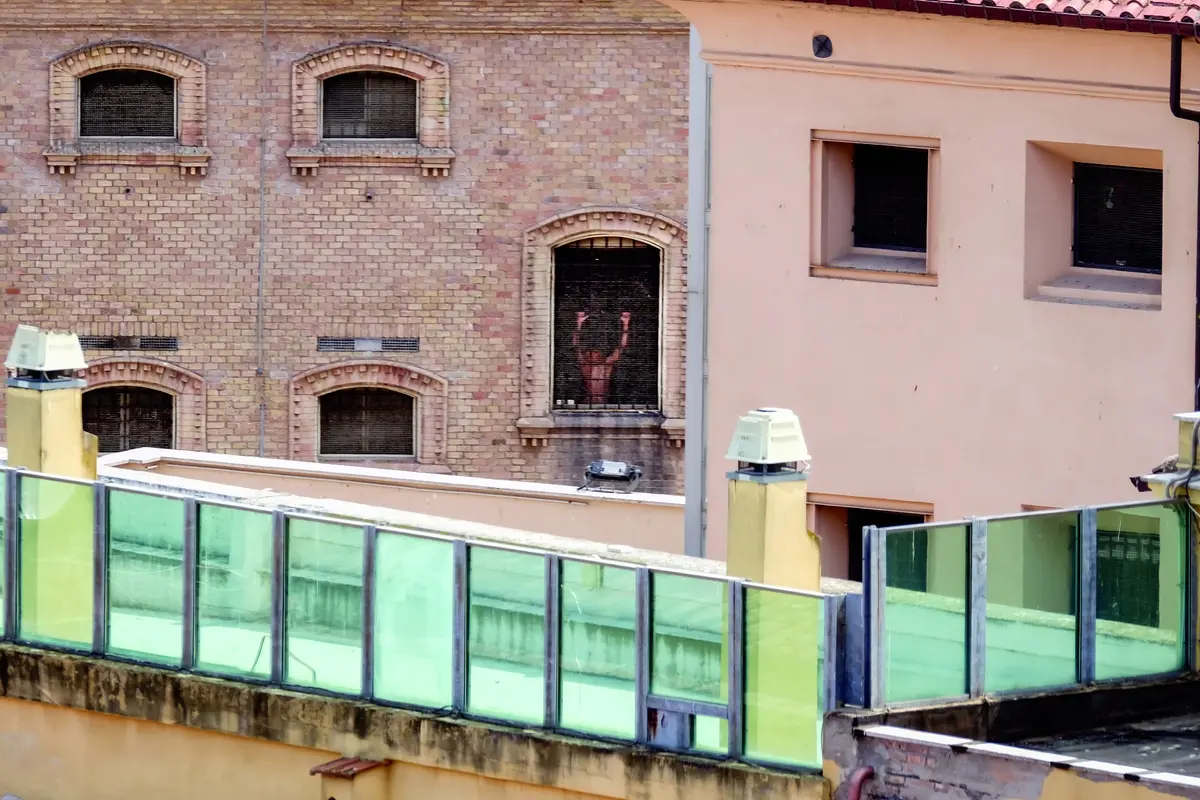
(553, 107)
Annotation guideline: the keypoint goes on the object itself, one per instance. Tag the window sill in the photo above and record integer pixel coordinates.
(878, 268)
(433, 161)
(1100, 287)
(63, 159)
(537, 431)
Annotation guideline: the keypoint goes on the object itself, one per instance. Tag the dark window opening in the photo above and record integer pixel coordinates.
(129, 417)
(891, 197)
(369, 105)
(1118, 218)
(606, 325)
(127, 103)
(367, 422)
(907, 566)
(1127, 580)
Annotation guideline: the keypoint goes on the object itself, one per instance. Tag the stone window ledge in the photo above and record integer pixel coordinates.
(1100, 287)
(434, 161)
(62, 159)
(878, 267)
(537, 431)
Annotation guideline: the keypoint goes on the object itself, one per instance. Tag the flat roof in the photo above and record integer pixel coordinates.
(1160, 744)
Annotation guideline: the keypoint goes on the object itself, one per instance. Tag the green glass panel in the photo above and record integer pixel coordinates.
(784, 677)
(414, 620)
(598, 653)
(1141, 561)
(1031, 621)
(710, 735)
(324, 606)
(3, 563)
(145, 577)
(925, 615)
(506, 655)
(56, 562)
(233, 592)
(688, 622)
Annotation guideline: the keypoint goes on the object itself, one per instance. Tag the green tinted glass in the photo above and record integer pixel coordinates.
(1031, 620)
(689, 617)
(1141, 562)
(233, 595)
(145, 577)
(710, 735)
(57, 563)
(414, 620)
(925, 614)
(784, 677)
(324, 606)
(506, 645)
(598, 654)
(3, 562)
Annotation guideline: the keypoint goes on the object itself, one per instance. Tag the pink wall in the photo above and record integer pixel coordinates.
(966, 395)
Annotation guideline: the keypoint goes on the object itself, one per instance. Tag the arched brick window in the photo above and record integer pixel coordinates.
(129, 417)
(369, 105)
(130, 103)
(368, 421)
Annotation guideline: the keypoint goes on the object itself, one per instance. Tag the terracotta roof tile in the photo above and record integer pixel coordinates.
(1179, 17)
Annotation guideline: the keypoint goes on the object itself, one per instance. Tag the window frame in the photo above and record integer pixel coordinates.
(124, 387)
(366, 139)
(1075, 261)
(392, 457)
(660, 352)
(123, 68)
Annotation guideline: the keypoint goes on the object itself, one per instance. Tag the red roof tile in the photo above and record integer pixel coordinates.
(1180, 17)
(345, 767)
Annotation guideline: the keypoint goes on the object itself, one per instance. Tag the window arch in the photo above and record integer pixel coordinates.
(367, 421)
(187, 390)
(369, 105)
(129, 417)
(127, 103)
(607, 293)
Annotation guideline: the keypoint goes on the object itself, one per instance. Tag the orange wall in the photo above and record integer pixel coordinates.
(965, 394)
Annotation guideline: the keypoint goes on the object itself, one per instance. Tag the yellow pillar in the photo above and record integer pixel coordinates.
(44, 410)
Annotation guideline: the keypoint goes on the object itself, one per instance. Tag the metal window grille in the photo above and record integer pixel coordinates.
(369, 105)
(129, 342)
(127, 103)
(1118, 218)
(1127, 579)
(602, 279)
(891, 197)
(128, 417)
(387, 344)
(367, 422)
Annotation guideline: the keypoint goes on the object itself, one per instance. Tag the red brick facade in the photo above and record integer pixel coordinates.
(533, 114)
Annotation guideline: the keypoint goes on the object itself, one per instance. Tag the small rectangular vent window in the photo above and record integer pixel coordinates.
(388, 344)
(129, 342)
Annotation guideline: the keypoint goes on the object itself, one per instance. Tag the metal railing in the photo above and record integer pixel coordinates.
(702, 663)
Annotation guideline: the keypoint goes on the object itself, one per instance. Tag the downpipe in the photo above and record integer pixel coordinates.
(860, 776)
(1179, 111)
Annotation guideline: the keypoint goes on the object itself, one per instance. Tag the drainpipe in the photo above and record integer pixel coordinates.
(696, 413)
(260, 333)
(1192, 116)
(860, 776)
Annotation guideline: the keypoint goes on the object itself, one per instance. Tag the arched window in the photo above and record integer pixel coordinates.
(369, 105)
(129, 103)
(367, 422)
(606, 325)
(128, 417)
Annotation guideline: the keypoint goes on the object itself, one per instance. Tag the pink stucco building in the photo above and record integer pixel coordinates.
(961, 248)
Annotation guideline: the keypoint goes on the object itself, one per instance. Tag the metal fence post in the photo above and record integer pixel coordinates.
(99, 568)
(834, 609)
(874, 586)
(370, 543)
(279, 534)
(641, 647)
(1192, 584)
(12, 552)
(737, 667)
(190, 576)
(461, 602)
(977, 608)
(1087, 595)
(553, 575)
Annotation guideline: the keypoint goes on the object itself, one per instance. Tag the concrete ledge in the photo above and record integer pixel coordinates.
(368, 731)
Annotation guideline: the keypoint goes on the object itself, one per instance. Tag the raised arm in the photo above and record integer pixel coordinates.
(616, 354)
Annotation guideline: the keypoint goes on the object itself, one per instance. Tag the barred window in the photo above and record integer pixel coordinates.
(1118, 218)
(368, 422)
(127, 103)
(128, 417)
(606, 325)
(369, 105)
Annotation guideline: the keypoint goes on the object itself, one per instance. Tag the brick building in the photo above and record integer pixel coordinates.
(409, 233)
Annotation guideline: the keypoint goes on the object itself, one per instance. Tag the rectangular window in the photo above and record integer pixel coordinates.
(891, 196)
(606, 326)
(128, 417)
(1118, 218)
(368, 422)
